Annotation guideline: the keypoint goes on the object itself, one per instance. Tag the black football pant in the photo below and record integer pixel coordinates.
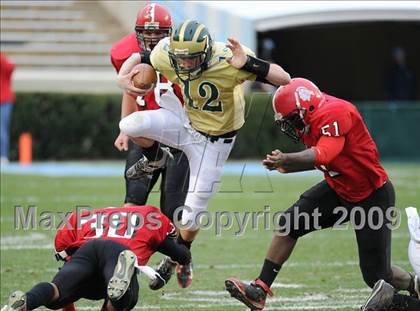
(374, 242)
(174, 183)
(87, 274)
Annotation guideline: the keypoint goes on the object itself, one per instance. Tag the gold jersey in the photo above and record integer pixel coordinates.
(215, 101)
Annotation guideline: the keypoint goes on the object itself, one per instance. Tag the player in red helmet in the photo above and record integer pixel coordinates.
(340, 145)
(153, 23)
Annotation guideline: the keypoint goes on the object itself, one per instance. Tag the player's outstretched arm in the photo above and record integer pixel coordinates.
(266, 72)
(290, 162)
(128, 106)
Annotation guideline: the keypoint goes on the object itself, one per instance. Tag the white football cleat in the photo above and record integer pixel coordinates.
(17, 302)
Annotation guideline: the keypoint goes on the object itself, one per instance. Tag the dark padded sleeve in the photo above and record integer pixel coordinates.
(179, 253)
(145, 57)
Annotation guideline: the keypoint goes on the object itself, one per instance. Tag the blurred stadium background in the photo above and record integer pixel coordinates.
(61, 49)
(68, 100)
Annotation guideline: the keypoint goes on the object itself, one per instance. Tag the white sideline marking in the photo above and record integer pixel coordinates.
(320, 307)
(17, 246)
(313, 298)
(178, 306)
(26, 247)
(281, 285)
(288, 265)
(206, 306)
(22, 239)
(353, 290)
(318, 301)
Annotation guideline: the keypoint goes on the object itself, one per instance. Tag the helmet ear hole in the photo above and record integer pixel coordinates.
(311, 108)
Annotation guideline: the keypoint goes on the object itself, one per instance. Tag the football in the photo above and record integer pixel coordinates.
(145, 78)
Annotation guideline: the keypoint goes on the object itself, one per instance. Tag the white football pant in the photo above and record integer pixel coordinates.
(171, 126)
(414, 245)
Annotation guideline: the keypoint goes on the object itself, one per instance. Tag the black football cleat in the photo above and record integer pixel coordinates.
(165, 271)
(184, 275)
(121, 279)
(252, 295)
(145, 168)
(16, 302)
(380, 298)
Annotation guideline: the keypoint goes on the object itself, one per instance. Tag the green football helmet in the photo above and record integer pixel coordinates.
(190, 50)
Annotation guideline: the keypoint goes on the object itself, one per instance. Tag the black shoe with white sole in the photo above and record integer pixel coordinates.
(145, 168)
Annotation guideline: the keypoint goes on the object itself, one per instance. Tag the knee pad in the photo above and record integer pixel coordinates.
(133, 124)
(190, 217)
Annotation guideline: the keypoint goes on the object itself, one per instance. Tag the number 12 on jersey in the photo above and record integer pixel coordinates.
(208, 92)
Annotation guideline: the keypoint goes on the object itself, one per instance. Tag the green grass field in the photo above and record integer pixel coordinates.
(322, 273)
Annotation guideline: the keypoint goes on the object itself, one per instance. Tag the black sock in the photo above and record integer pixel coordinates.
(411, 286)
(405, 303)
(269, 272)
(153, 153)
(40, 295)
(181, 241)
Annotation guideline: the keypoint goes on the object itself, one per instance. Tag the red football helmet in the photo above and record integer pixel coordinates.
(154, 22)
(294, 104)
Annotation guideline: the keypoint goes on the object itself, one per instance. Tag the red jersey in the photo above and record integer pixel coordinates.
(141, 228)
(6, 70)
(122, 50)
(356, 171)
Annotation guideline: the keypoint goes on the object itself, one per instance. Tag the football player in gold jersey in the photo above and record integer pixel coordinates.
(210, 75)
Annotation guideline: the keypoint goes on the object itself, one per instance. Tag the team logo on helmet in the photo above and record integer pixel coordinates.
(304, 93)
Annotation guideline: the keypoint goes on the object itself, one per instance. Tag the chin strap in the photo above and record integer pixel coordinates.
(264, 286)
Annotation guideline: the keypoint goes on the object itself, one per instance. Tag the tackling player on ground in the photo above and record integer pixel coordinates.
(211, 74)
(153, 23)
(101, 252)
(340, 145)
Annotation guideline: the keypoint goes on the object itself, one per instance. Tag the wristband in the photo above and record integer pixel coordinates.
(256, 66)
(145, 57)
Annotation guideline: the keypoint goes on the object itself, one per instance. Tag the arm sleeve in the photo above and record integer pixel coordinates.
(65, 239)
(179, 253)
(145, 57)
(334, 121)
(327, 148)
